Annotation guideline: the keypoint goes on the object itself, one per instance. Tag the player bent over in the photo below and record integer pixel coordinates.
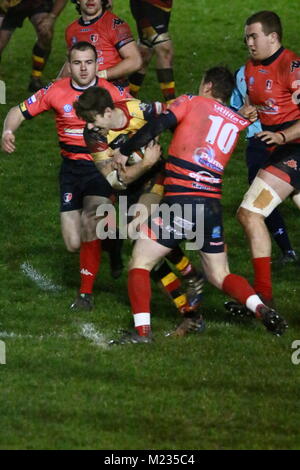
(206, 132)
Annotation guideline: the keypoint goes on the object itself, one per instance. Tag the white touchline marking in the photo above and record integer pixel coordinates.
(39, 279)
(88, 331)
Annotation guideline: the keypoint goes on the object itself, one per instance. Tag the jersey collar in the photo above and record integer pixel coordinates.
(273, 57)
(88, 23)
(78, 88)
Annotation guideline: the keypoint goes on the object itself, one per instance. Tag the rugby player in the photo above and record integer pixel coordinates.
(42, 14)
(118, 54)
(205, 135)
(272, 77)
(108, 125)
(82, 187)
(152, 19)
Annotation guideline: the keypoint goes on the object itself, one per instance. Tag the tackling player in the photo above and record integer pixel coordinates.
(118, 54)
(82, 187)
(152, 19)
(42, 14)
(206, 132)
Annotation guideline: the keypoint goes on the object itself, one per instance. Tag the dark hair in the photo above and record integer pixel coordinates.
(222, 81)
(82, 46)
(105, 5)
(269, 20)
(93, 101)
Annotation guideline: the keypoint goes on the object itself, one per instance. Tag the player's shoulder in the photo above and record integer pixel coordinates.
(112, 20)
(74, 25)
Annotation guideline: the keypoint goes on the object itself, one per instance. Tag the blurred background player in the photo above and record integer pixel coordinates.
(152, 19)
(257, 154)
(82, 187)
(42, 14)
(118, 54)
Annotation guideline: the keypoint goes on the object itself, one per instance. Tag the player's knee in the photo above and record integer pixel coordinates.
(246, 217)
(72, 244)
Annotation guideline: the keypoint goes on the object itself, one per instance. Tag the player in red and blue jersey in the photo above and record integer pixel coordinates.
(206, 132)
(82, 187)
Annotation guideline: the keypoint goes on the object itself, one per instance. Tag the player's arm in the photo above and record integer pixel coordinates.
(151, 156)
(143, 136)
(131, 62)
(12, 122)
(281, 137)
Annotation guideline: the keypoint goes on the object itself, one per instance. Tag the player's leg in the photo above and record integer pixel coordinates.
(264, 195)
(256, 157)
(164, 69)
(70, 222)
(146, 254)
(139, 12)
(42, 47)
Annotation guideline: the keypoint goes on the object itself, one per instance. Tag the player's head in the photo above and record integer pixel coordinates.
(218, 83)
(263, 34)
(82, 59)
(95, 106)
(90, 7)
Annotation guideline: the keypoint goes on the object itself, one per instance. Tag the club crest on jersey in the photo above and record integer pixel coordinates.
(68, 108)
(295, 65)
(68, 198)
(94, 37)
(269, 84)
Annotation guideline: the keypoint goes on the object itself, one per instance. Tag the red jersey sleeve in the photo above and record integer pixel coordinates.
(37, 103)
(119, 32)
(180, 106)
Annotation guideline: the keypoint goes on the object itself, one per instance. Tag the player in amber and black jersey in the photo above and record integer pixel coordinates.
(42, 14)
(206, 132)
(152, 19)
(272, 76)
(118, 54)
(108, 126)
(82, 187)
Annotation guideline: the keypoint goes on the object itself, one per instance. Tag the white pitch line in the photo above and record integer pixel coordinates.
(88, 331)
(39, 279)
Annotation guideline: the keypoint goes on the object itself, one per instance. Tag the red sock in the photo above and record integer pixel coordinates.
(139, 291)
(237, 287)
(262, 276)
(90, 256)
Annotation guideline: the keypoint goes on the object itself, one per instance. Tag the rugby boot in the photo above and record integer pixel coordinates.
(288, 257)
(239, 310)
(132, 337)
(83, 302)
(193, 322)
(271, 320)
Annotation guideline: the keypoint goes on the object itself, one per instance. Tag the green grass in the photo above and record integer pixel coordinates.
(234, 387)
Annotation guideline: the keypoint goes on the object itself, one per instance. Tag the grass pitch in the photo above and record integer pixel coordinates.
(233, 387)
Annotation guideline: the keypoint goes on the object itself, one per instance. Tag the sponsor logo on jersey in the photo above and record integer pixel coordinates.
(291, 164)
(295, 65)
(206, 156)
(263, 71)
(74, 40)
(229, 114)
(67, 198)
(251, 81)
(68, 108)
(216, 243)
(94, 37)
(270, 107)
(269, 84)
(31, 100)
(216, 232)
(205, 176)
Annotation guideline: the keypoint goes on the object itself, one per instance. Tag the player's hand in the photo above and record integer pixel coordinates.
(8, 142)
(249, 112)
(270, 138)
(152, 153)
(119, 161)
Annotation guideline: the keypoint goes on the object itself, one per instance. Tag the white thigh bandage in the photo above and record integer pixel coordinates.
(114, 180)
(261, 198)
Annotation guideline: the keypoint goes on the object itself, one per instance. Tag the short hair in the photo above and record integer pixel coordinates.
(93, 101)
(269, 20)
(222, 81)
(77, 3)
(82, 46)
